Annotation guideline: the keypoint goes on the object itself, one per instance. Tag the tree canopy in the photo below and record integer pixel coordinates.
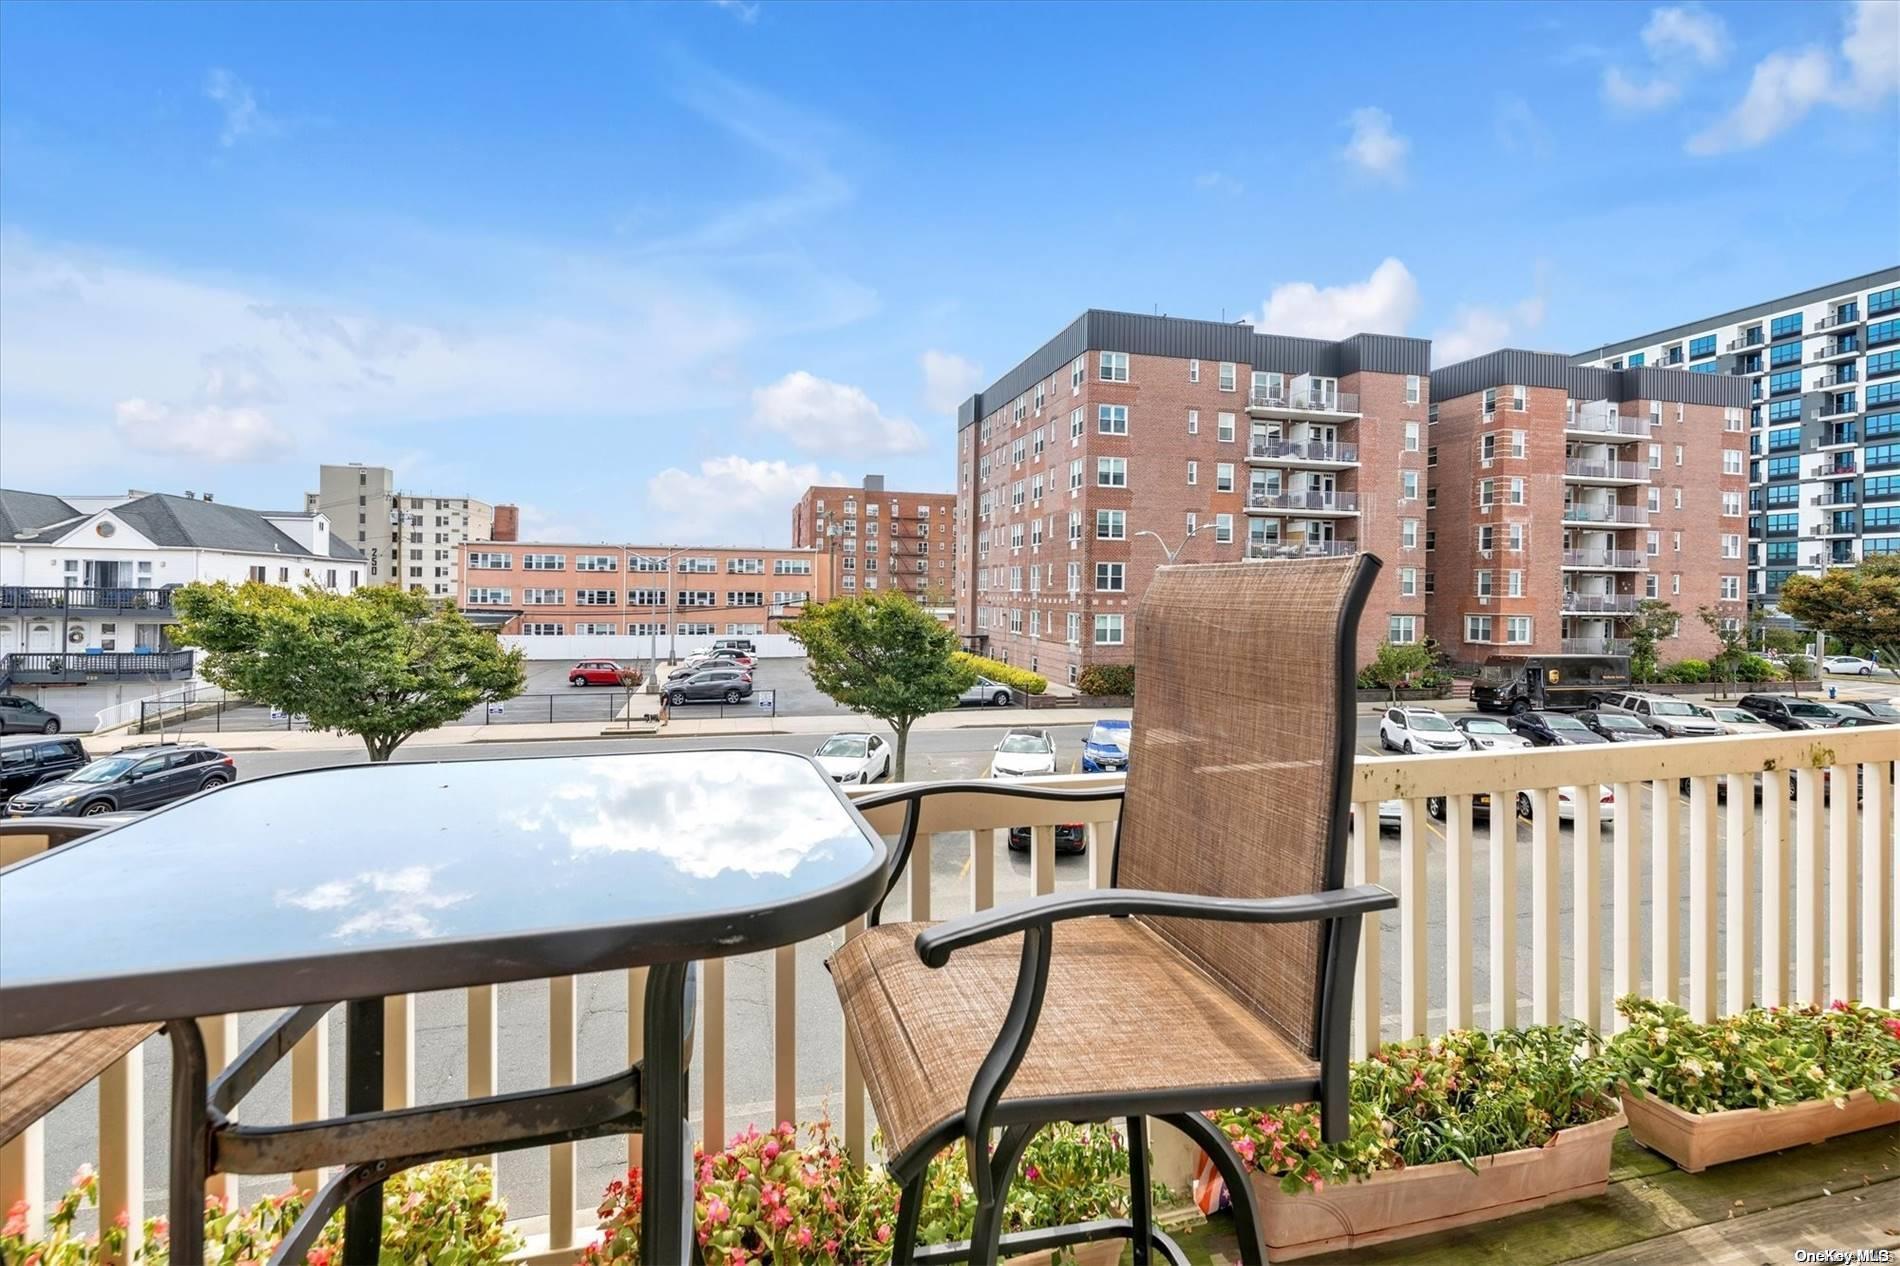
(1858, 607)
(882, 655)
(1654, 620)
(378, 663)
(1394, 666)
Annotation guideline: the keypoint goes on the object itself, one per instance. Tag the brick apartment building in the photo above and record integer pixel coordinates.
(1222, 442)
(1563, 495)
(873, 538)
(551, 589)
(409, 539)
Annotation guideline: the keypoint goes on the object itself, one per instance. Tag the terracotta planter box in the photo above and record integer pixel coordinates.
(1696, 1142)
(1397, 1204)
(1099, 1253)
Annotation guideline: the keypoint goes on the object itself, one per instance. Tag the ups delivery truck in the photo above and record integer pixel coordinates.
(1568, 683)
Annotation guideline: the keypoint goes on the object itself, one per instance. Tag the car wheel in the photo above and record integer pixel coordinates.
(1865, 672)
(677, 698)
(1519, 707)
(732, 696)
(51, 727)
(96, 808)
(1406, 747)
(577, 681)
(1596, 701)
(1435, 805)
(1385, 744)
(1523, 805)
(216, 780)
(1001, 698)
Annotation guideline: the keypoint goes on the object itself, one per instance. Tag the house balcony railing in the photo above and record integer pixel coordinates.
(1598, 603)
(54, 667)
(1828, 381)
(1305, 400)
(1621, 515)
(1597, 423)
(1304, 453)
(1605, 559)
(1743, 343)
(1595, 646)
(1832, 351)
(1301, 549)
(86, 599)
(1734, 894)
(1304, 502)
(1837, 322)
(1583, 470)
(1834, 499)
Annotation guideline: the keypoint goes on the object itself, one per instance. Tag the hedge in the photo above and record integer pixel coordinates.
(1107, 679)
(1008, 674)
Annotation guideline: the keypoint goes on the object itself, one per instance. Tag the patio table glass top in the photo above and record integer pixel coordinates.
(369, 880)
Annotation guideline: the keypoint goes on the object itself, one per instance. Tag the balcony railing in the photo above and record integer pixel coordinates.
(1596, 646)
(1827, 381)
(1828, 351)
(1305, 400)
(1599, 603)
(1836, 322)
(1742, 344)
(44, 667)
(1839, 466)
(1629, 516)
(72, 598)
(1834, 499)
(1607, 558)
(1298, 549)
(1734, 894)
(1580, 468)
(1316, 502)
(1295, 452)
(1601, 422)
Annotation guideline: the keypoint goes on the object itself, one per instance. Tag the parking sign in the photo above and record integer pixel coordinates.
(764, 699)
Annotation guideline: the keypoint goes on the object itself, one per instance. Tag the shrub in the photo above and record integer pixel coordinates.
(1800, 667)
(1467, 1094)
(1107, 679)
(1688, 671)
(1755, 668)
(1762, 1058)
(1008, 674)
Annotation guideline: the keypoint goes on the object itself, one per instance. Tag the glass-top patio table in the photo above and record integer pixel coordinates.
(356, 883)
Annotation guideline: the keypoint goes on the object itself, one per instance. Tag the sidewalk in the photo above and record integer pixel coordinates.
(682, 726)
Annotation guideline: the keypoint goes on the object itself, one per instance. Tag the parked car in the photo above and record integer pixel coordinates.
(1856, 721)
(1488, 734)
(1737, 720)
(1106, 747)
(594, 672)
(1071, 837)
(859, 758)
(1554, 729)
(1567, 806)
(1872, 709)
(1851, 664)
(1407, 729)
(712, 659)
(1675, 718)
(1389, 814)
(1480, 803)
(735, 644)
(1619, 726)
(1023, 754)
(728, 685)
(1790, 714)
(986, 691)
(27, 762)
(132, 778)
(23, 716)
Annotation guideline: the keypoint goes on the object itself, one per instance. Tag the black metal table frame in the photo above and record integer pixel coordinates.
(372, 1144)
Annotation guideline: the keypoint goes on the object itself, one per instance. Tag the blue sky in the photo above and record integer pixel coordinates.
(648, 270)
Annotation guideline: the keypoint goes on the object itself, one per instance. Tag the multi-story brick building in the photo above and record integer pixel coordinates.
(1128, 437)
(409, 539)
(554, 589)
(873, 538)
(1564, 495)
(1824, 417)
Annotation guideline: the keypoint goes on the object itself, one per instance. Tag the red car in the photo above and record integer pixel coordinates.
(594, 672)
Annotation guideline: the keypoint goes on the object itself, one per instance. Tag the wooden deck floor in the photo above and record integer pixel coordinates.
(1843, 1194)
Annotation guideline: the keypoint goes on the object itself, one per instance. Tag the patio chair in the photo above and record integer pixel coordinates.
(1215, 972)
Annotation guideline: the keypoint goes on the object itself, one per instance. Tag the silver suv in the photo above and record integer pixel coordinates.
(1678, 718)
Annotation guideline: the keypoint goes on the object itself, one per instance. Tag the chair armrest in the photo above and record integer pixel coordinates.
(936, 943)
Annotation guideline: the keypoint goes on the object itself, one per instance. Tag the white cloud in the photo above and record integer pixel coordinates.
(747, 11)
(1690, 30)
(1636, 96)
(948, 380)
(205, 433)
(1375, 148)
(1788, 83)
(1381, 304)
(1519, 130)
(819, 415)
(732, 500)
(243, 117)
(1477, 329)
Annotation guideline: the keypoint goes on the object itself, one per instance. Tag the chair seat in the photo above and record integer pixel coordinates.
(38, 1073)
(1124, 1013)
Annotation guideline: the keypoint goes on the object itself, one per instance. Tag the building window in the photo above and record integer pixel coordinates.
(1111, 419)
(1477, 628)
(593, 597)
(1514, 584)
(1517, 629)
(480, 596)
(1731, 588)
(1518, 395)
(542, 630)
(1411, 388)
(1227, 376)
(1224, 477)
(1411, 437)
(543, 562)
(1108, 577)
(543, 597)
(1481, 584)
(490, 562)
(1075, 474)
(1114, 367)
(1111, 525)
(1408, 582)
(1408, 533)
(1108, 630)
(1408, 485)
(1193, 472)
(1194, 371)
(1401, 630)
(1223, 529)
(1224, 427)
(1194, 421)
(1111, 472)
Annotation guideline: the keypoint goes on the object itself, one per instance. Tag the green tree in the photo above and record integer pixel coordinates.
(1732, 636)
(1393, 666)
(378, 663)
(883, 655)
(1653, 621)
(1859, 607)
(1792, 647)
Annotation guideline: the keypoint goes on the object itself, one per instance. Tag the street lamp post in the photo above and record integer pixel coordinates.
(666, 609)
(1174, 553)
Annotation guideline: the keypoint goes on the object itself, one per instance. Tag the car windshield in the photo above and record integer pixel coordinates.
(1427, 722)
(1610, 721)
(1886, 712)
(1560, 721)
(843, 745)
(1485, 725)
(1735, 716)
(1810, 710)
(1109, 736)
(1024, 745)
(103, 770)
(1672, 708)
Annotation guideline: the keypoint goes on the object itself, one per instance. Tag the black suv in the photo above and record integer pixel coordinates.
(1790, 714)
(27, 762)
(23, 716)
(132, 778)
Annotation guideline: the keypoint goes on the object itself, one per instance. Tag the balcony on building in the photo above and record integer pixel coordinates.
(1600, 420)
(1597, 464)
(1842, 464)
(88, 600)
(1845, 405)
(1587, 513)
(1840, 435)
(1312, 503)
(1304, 451)
(1844, 523)
(1839, 378)
(1839, 495)
(1750, 339)
(1311, 548)
(1599, 558)
(45, 668)
(1834, 349)
(1304, 396)
(1577, 602)
(1587, 645)
(1844, 317)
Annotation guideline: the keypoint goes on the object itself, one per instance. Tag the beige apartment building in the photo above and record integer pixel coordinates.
(409, 539)
(1563, 495)
(1127, 438)
(874, 538)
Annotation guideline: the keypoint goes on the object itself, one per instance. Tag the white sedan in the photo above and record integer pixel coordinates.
(1023, 754)
(1852, 664)
(855, 758)
(1567, 807)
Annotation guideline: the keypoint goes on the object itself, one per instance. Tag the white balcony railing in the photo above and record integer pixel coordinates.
(1595, 418)
(1596, 646)
(1305, 400)
(1718, 898)
(1305, 502)
(1298, 549)
(1599, 603)
(1609, 559)
(1580, 468)
(1592, 512)
(1295, 452)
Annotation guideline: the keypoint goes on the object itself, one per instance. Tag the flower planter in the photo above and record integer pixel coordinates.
(1399, 1203)
(1099, 1253)
(1696, 1141)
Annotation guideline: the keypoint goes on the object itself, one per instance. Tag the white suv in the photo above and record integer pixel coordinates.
(1419, 730)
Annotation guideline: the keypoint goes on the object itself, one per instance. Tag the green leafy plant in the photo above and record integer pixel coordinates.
(1653, 621)
(1107, 679)
(1008, 674)
(1857, 607)
(1765, 1057)
(1396, 666)
(1687, 671)
(1458, 1097)
(444, 1212)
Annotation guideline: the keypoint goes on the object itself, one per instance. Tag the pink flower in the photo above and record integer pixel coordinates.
(717, 1210)
(1032, 1174)
(123, 1221)
(884, 1234)
(16, 1220)
(1319, 1184)
(83, 1176)
(1893, 1027)
(1837, 1005)
(1245, 1148)
(803, 1238)
(781, 1217)
(770, 1150)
